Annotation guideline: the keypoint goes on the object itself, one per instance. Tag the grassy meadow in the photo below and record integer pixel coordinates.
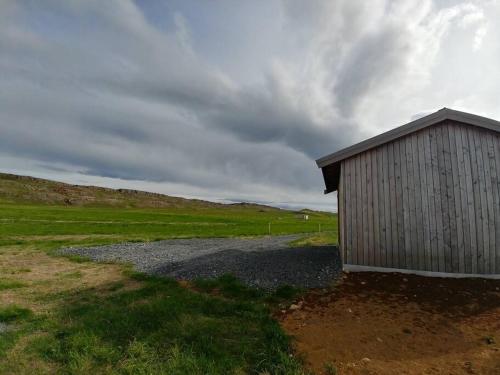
(67, 315)
(52, 226)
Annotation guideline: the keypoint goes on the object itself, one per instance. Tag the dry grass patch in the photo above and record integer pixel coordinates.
(49, 276)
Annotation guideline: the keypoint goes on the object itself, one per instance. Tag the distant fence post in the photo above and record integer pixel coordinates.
(319, 227)
(269, 228)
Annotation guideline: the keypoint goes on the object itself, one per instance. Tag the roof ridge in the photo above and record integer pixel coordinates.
(408, 128)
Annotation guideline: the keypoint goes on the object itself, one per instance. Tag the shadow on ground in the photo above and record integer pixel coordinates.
(306, 267)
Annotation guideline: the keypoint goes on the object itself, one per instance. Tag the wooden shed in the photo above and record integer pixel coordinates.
(422, 197)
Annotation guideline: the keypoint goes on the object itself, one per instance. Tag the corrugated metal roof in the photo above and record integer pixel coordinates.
(330, 164)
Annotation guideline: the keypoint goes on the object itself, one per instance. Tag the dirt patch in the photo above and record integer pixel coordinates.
(377, 323)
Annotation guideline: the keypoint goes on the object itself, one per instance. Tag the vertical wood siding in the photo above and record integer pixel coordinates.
(429, 201)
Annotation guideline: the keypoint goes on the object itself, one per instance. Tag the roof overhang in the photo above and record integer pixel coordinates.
(330, 164)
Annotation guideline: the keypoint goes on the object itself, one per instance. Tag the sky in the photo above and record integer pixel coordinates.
(225, 100)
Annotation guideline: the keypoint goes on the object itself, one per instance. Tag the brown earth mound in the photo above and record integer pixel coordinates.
(26, 189)
(378, 323)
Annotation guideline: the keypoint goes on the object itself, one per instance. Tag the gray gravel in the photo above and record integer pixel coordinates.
(266, 262)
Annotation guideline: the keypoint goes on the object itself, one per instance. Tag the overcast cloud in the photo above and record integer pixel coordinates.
(228, 101)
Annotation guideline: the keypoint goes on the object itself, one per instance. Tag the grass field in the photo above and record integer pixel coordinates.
(60, 315)
(52, 226)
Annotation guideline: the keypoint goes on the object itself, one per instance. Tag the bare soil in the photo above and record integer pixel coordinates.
(379, 323)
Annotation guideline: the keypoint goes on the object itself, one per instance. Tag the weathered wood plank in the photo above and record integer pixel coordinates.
(496, 203)
(400, 203)
(489, 256)
(436, 154)
(359, 213)
(460, 196)
(376, 208)
(350, 209)
(417, 235)
(406, 166)
(341, 211)
(468, 162)
(422, 188)
(369, 208)
(477, 257)
(392, 209)
(496, 147)
(429, 140)
(452, 226)
(445, 212)
(364, 221)
(484, 249)
(385, 235)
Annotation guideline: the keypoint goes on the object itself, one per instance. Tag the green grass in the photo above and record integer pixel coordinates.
(138, 324)
(12, 313)
(10, 284)
(164, 328)
(11, 316)
(54, 226)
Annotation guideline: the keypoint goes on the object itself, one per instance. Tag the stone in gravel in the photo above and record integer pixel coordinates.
(3, 327)
(293, 306)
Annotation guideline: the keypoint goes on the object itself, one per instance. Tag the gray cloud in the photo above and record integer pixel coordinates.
(372, 62)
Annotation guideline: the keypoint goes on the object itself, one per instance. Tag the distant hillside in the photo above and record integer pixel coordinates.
(25, 189)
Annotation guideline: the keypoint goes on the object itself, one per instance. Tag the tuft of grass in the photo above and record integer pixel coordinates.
(70, 275)
(330, 369)
(19, 271)
(14, 313)
(230, 287)
(287, 292)
(77, 258)
(329, 238)
(10, 284)
(490, 340)
(113, 287)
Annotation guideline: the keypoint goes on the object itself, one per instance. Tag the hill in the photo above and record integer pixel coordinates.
(25, 189)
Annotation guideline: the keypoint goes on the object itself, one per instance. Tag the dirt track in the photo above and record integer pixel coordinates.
(374, 323)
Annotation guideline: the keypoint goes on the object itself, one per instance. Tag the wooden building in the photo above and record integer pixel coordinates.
(422, 197)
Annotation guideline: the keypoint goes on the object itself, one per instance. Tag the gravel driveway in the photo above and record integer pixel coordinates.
(266, 262)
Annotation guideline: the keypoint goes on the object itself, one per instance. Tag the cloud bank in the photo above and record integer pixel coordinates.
(225, 102)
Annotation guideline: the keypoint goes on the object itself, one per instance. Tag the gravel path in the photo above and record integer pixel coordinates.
(266, 262)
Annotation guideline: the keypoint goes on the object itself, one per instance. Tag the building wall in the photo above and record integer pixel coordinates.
(429, 201)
